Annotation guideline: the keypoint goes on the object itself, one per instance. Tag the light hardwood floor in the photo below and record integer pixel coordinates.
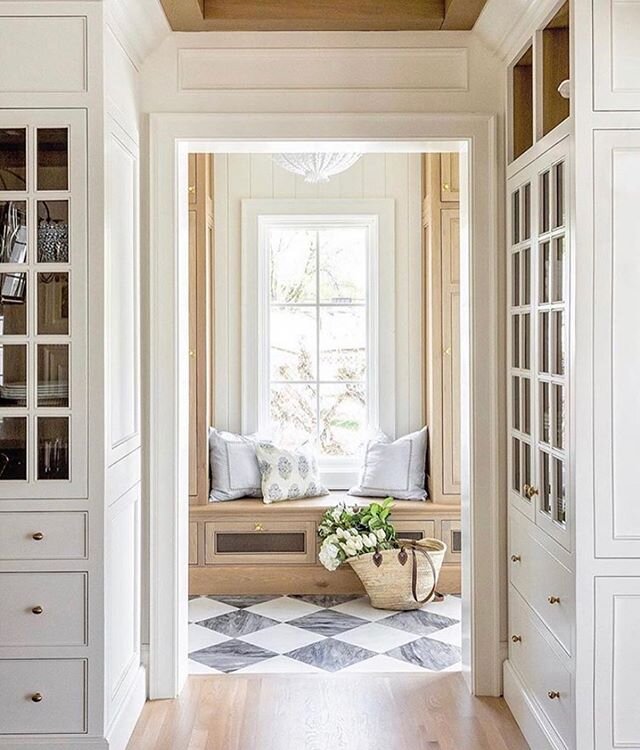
(314, 712)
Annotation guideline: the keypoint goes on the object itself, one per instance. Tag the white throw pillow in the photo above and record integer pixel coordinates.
(234, 466)
(288, 475)
(394, 468)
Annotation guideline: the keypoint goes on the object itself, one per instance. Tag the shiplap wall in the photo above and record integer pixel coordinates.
(397, 176)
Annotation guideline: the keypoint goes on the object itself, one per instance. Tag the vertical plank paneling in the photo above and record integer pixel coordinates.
(305, 189)
(221, 292)
(261, 176)
(239, 186)
(350, 182)
(284, 183)
(415, 272)
(397, 184)
(373, 176)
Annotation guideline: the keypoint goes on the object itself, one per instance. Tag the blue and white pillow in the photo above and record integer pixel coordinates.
(288, 475)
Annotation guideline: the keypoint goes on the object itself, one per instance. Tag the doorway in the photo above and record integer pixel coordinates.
(173, 137)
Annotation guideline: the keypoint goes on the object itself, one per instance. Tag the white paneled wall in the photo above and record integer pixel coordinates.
(396, 176)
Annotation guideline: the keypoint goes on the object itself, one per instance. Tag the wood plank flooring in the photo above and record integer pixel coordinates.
(314, 712)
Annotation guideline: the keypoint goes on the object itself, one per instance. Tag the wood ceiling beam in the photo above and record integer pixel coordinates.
(461, 15)
(306, 15)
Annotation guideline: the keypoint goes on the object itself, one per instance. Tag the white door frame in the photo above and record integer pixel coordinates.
(172, 136)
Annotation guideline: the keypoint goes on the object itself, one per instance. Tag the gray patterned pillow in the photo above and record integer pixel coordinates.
(288, 475)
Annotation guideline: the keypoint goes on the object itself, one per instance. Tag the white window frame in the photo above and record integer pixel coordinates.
(258, 216)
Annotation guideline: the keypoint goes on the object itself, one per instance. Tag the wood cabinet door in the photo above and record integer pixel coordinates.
(450, 178)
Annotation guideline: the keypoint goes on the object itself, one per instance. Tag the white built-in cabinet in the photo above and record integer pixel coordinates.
(43, 388)
(541, 507)
(44, 549)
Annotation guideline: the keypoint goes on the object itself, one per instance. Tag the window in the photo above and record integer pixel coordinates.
(318, 314)
(317, 383)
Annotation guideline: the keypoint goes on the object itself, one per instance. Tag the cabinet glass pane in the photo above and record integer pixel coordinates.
(559, 491)
(515, 402)
(545, 481)
(13, 448)
(13, 232)
(526, 406)
(515, 218)
(526, 276)
(53, 303)
(515, 340)
(13, 304)
(558, 179)
(13, 375)
(558, 270)
(515, 279)
(545, 272)
(53, 375)
(526, 465)
(558, 343)
(558, 416)
(545, 203)
(53, 231)
(545, 413)
(13, 159)
(515, 468)
(526, 212)
(526, 341)
(53, 448)
(53, 159)
(544, 342)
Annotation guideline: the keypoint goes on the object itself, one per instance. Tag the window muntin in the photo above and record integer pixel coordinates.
(317, 379)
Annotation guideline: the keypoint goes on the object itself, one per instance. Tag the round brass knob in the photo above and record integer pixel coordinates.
(259, 527)
(553, 694)
(515, 558)
(37, 610)
(36, 697)
(38, 536)
(516, 638)
(446, 187)
(530, 491)
(554, 600)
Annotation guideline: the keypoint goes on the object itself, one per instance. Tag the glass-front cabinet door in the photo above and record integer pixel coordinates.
(43, 310)
(538, 343)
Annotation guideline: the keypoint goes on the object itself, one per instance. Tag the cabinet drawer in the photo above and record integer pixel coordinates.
(541, 668)
(415, 529)
(193, 544)
(43, 609)
(60, 685)
(543, 580)
(268, 542)
(50, 535)
(451, 535)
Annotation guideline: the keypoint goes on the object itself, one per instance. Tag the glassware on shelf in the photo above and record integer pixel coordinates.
(13, 232)
(13, 448)
(53, 232)
(53, 448)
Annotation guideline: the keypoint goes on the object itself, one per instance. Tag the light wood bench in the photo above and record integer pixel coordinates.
(248, 547)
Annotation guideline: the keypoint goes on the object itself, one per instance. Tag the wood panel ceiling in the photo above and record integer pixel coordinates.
(322, 15)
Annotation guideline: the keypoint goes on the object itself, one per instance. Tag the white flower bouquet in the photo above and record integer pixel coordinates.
(349, 531)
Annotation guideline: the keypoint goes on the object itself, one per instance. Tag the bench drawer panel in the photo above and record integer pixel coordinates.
(268, 542)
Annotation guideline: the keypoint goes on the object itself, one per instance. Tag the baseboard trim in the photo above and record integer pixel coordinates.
(124, 721)
(535, 727)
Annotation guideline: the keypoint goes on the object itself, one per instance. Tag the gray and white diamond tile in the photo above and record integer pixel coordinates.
(320, 634)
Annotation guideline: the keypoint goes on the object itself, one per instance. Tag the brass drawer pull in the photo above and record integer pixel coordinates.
(37, 610)
(38, 536)
(516, 638)
(36, 697)
(553, 694)
(515, 558)
(259, 527)
(554, 600)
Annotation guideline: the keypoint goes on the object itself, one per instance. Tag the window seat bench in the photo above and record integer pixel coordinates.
(248, 547)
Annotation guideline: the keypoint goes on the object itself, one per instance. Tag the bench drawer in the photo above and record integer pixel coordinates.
(256, 542)
(415, 530)
(43, 696)
(541, 667)
(543, 580)
(43, 609)
(50, 535)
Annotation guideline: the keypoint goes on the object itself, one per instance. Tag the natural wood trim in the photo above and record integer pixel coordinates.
(292, 579)
(461, 15)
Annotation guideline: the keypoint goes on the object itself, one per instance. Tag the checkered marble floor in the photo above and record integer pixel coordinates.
(309, 633)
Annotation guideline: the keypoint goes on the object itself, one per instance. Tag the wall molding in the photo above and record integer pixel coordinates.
(323, 68)
(139, 26)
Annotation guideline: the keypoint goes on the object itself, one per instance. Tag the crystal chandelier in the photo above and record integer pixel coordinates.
(316, 167)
